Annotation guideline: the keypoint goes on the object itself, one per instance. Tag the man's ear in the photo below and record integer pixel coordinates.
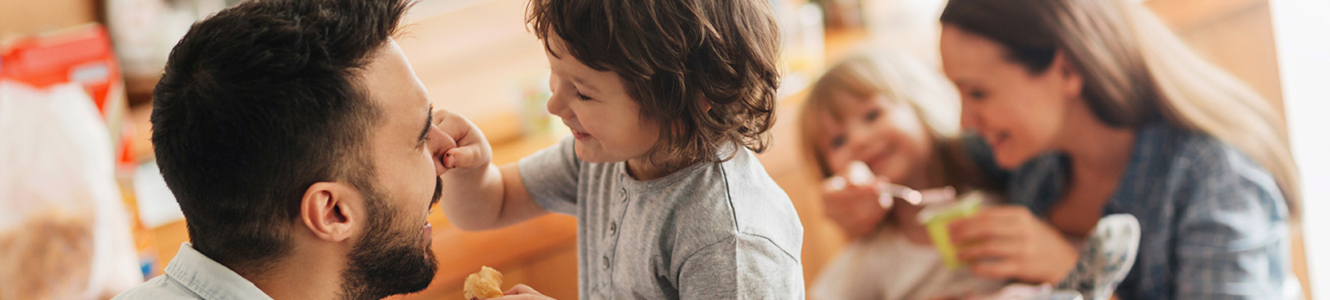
(332, 210)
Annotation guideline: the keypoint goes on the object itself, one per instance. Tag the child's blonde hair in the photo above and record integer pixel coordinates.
(899, 78)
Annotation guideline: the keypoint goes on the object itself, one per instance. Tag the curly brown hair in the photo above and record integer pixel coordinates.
(705, 70)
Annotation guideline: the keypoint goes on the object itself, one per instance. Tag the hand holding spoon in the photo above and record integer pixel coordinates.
(860, 174)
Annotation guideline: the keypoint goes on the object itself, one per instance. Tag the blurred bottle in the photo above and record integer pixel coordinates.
(803, 43)
(145, 30)
(910, 26)
(532, 94)
(843, 13)
(145, 244)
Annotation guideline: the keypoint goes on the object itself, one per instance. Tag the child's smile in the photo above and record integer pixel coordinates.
(578, 133)
(596, 106)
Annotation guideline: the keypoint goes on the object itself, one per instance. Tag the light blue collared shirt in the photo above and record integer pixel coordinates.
(191, 275)
(1214, 224)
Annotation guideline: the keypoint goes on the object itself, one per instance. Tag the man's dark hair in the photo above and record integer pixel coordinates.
(672, 53)
(257, 103)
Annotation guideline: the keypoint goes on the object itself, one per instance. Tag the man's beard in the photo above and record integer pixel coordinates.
(388, 260)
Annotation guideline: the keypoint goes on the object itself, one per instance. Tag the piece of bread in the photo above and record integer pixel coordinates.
(483, 284)
(49, 256)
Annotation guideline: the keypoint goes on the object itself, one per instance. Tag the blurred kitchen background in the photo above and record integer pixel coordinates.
(84, 213)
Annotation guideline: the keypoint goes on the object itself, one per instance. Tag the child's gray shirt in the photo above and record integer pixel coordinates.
(708, 231)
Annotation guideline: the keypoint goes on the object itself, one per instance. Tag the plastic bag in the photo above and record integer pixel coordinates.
(57, 175)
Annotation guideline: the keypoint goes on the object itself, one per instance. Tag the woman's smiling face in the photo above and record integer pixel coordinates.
(1019, 113)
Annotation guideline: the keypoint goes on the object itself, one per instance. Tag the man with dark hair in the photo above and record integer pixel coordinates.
(300, 146)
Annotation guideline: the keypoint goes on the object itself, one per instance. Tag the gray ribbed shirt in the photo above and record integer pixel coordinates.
(708, 231)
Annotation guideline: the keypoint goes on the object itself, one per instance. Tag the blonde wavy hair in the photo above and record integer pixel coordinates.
(904, 80)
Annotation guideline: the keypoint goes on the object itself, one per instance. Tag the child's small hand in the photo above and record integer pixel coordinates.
(472, 150)
(477, 194)
(523, 292)
(853, 204)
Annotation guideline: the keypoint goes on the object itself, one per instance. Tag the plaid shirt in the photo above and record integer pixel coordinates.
(1214, 224)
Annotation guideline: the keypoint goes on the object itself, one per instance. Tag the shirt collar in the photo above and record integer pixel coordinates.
(1148, 164)
(209, 279)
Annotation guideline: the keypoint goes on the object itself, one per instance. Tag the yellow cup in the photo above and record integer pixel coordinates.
(936, 219)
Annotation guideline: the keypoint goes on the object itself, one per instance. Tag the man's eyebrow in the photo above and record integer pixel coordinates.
(429, 120)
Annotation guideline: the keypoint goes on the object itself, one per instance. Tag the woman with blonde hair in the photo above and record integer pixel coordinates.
(1096, 108)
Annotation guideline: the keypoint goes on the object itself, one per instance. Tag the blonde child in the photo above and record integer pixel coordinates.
(901, 119)
(666, 101)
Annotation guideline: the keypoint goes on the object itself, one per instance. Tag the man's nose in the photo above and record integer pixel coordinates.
(439, 143)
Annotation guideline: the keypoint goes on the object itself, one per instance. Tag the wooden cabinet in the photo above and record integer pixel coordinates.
(22, 17)
(1236, 35)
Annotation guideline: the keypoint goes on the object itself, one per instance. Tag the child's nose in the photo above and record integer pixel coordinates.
(859, 139)
(556, 105)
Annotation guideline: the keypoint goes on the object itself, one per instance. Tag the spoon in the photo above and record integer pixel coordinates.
(860, 174)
